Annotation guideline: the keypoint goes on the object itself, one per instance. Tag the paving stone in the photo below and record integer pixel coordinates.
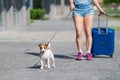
(17, 55)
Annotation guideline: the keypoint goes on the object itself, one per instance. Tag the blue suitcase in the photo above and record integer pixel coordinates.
(103, 40)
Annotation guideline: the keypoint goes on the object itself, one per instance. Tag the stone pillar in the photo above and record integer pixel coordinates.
(62, 7)
(53, 9)
(31, 4)
(3, 21)
(15, 14)
(24, 14)
(28, 13)
(9, 14)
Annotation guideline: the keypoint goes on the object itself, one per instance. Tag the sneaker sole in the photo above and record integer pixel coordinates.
(79, 58)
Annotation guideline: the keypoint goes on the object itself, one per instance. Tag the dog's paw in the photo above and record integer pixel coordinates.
(53, 66)
(41, 68)
(48, 67)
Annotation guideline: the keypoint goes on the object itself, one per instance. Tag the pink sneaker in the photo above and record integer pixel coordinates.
(89, 56)
(79, 56)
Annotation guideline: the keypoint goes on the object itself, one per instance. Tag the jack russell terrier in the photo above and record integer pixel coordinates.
(46, 56)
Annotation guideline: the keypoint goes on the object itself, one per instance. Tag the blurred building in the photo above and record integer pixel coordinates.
(54, 8)
(14, 14)
(101, 1)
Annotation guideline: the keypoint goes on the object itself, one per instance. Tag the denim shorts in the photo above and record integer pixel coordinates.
(83, 9)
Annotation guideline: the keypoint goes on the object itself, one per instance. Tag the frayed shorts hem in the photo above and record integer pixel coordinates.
(76, 14)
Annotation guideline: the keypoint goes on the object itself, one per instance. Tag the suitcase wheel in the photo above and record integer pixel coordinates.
(93, 55)
(111, 56)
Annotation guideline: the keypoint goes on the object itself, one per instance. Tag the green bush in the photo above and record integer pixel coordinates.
(112, 1)
(37, 13)
(116, 28)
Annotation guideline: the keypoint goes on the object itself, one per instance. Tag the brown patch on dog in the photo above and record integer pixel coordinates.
(43, 46)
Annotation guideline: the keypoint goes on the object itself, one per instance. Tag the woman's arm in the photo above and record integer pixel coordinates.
(72, 6)
(98, 6)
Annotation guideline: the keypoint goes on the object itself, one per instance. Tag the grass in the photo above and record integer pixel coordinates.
(32, 21)
(116, 28)
(113, 13)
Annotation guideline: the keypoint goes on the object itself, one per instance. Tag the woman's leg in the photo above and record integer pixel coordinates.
(78, 21)
(88, 21)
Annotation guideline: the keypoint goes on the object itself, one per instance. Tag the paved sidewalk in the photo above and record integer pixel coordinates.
(19, 52)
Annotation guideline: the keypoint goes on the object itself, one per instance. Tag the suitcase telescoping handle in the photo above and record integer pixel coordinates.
(99, 23)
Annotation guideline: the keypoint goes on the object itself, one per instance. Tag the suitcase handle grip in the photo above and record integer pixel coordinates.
(106, 23)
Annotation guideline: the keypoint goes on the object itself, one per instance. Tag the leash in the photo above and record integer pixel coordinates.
(58, 28)
(36, 64)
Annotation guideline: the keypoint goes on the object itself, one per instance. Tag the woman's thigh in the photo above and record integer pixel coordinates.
(78, 21)
(88, 22)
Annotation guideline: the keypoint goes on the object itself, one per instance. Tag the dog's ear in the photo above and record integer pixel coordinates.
(39, 45)
(48, 45)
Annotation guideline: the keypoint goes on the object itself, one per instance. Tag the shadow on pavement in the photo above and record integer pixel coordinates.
(63, 56)
(35, 67)
(32, 53)
(55, 55)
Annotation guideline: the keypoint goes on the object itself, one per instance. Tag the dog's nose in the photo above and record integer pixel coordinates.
(42, 51)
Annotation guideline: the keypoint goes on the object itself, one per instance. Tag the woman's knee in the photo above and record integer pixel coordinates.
(88, 33)
(78, 36)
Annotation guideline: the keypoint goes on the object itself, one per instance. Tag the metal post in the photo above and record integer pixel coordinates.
(3, 13)
(62, 5)
(31, 4)
(43, 4)
(55, 7)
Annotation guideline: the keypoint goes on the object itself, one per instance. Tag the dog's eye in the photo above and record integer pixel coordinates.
(44, 47)
(40, 47)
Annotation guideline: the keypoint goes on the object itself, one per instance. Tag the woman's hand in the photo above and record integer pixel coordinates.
(72, 6)
(99, 7)
(102, 11)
